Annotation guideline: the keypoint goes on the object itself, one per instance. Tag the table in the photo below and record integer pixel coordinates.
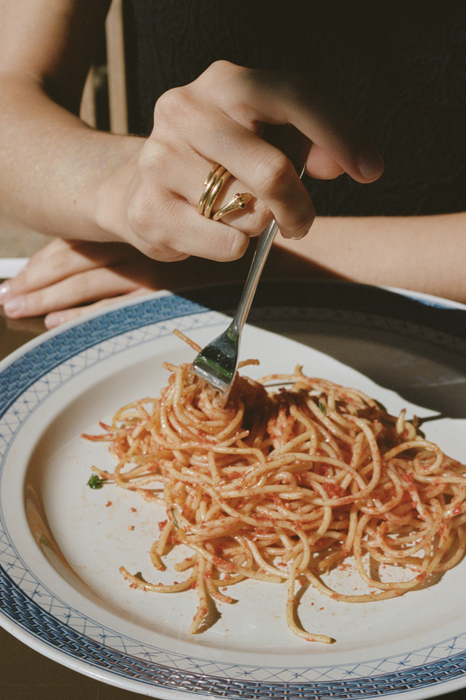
(27, 675)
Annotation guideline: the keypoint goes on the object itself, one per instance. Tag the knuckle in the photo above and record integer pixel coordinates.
(224, 83)
(147, 157)
(34, 303)
(172, 105)
(239, 246)
(147, 218)
(259, 218)
(234, 246)
(141, 211)
(154, 156)
(160, 250)
(150, 197)
(60, 257)
(276, 175)
(30, 278)
(221, 70)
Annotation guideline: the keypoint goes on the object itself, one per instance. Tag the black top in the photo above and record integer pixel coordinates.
(399, 67)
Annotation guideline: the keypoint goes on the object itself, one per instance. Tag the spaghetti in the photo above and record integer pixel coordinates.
(282, 486)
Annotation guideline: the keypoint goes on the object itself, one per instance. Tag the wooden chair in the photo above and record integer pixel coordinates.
(116, 76)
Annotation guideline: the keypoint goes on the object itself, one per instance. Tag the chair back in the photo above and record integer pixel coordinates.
(115, 76)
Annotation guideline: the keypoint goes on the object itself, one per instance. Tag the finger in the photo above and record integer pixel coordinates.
(56, 318)
(278, 98)
(61, 259)
(294, 99)
(319, 165)
(190, 234)
(265, 171)
(17, 285)
(166, 227)
(185, 175)
(79, 289)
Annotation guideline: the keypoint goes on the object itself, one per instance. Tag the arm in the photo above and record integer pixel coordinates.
(425, 254)
(421, 253)
(51, 162)
(62, 178)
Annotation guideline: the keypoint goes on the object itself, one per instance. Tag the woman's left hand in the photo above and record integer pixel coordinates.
(66, 279)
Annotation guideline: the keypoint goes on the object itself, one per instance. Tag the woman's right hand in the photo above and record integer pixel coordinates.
(63, 178)
(220, 118)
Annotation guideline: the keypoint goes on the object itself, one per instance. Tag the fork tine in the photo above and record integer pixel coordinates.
(217, 362)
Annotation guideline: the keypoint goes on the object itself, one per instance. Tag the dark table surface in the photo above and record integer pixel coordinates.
(27, 675)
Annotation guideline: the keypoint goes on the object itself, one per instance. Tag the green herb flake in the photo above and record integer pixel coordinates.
(322, 408)
(95, 482)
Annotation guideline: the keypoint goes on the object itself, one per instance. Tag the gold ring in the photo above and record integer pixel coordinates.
(239, 201)
(216, 178)
(214, 192)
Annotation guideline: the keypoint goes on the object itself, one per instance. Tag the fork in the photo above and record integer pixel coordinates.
(218, 361)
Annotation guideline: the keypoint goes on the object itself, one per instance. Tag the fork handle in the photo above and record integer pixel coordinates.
(264, 245)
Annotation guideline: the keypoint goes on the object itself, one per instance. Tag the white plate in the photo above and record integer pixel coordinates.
(65, 597)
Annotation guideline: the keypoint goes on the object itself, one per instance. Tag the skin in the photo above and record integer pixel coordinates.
(127, 205)
(67, 279)
(422, 253)
(143, 191)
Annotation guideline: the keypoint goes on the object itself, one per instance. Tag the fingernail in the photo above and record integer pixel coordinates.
(4, 291)
(54, 319)
(370, 165)
(14, 306)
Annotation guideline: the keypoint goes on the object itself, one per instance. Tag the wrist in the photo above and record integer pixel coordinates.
(110, 199)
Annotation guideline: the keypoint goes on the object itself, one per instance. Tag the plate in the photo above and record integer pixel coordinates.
(63, 543)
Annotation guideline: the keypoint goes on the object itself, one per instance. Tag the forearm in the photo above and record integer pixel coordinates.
(53, 166)
(422, 253)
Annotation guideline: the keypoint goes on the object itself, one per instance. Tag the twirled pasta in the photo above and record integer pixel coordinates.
(283, 486)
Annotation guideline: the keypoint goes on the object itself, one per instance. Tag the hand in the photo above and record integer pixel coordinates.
(62, 178)
(221, 118)
(64, 277)
(68, 279)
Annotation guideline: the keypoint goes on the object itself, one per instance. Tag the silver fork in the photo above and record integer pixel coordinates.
(218, 361)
